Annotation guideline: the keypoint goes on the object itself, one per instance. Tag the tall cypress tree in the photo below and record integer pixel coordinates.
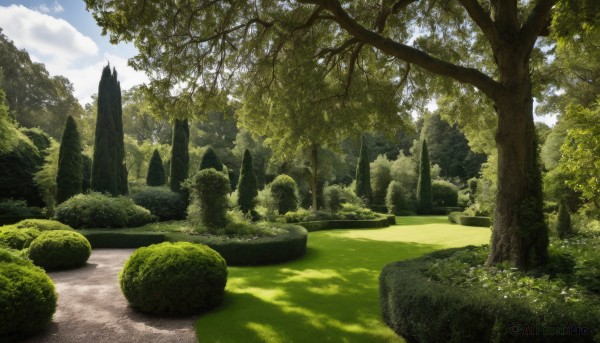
(211, 160)
(247, 186)
(363, 173)
(87, 173)
(424, 195)
(69, 176)
(108, 167)
(180, 156)
(156, 173)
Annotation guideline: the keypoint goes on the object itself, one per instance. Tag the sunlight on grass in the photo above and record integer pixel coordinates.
(329, 295)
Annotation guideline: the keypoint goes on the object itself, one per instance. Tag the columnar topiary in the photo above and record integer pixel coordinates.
(108, 168)
(174, 278)
(156, 173)
(69, 176)
(285, 194)
(563, 225)
(180, 156)
(363, 174)
(247, 186)
(396, 199)
(211, 160)
(424, 196)
(211, 188)
(87, 173)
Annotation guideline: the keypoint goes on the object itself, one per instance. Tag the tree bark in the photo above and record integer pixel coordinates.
(519, 235)
(314, 164)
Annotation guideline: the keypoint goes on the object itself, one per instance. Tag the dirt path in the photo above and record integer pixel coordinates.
(91, 308)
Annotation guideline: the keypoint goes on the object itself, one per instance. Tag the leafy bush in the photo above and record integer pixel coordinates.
(475, 221)
(210, 189)
(161, 202)
(563, 226)
(60, 249)
(303, 215)
(353, 212)
(95, 210)
(444, 193)
(453, 217)
(464, 199)
(380, 178)
(174, 278)
(42, 224)
(27, 297)
(396, 200)
(336, 195)
(285, 194)
(14, 238)
(10, 207)
(18, 170)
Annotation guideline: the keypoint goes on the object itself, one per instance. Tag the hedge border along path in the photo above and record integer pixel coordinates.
(91, 308)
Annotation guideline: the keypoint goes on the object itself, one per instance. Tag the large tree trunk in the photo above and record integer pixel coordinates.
(314, 163)
(520, 235)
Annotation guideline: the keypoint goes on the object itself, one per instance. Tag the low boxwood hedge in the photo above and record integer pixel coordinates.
(424, 310)
(174, 278)
(264, 250)
(59, 249)
(121, 239)
(27, 297)
(381, 221)
(475, 221)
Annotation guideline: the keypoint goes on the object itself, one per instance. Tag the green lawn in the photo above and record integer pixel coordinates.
(331, 294)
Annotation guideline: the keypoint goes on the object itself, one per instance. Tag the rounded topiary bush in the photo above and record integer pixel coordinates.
(174, 278)
(60, 249)
(285, 193)
(161, 202)
(42, 224)
(396, 199)
(444, 194)
(27, 297)
(210, 191)
(14, 238)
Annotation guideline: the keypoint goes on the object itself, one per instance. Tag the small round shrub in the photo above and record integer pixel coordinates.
(174, 278)
(285, 193)
(42, 224)
(60, 249)
(96, 210)
(396, 199)
(336, 195)
(211, 188)
(27, 297)
(444, 194)
(161, 202)
(14, 238)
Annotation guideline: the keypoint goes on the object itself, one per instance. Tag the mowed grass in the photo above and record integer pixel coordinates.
(332, 293)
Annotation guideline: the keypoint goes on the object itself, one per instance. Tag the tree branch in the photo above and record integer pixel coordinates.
(536, 22)
(482, 19)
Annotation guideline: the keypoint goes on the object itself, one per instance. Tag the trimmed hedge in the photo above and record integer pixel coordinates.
(42, 224)
(174, 278)
(122, 240)
(382, 221)
(161, 202)
(59, 249)
(475, 221)
(422, 310)
(264, 250)
(27, 297)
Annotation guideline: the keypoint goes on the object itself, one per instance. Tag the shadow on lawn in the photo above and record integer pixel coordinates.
(330, 295)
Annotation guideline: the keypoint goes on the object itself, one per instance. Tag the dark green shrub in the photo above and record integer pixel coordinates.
(475, 221)
(87, 173)
(42, 224)
(587, 272)
(95, 210)
(38, 137)
(14, 238)
(18, 167)
(363, 174)
(161, 202)
(180, 157)
(378, 222)
(247, 187)
(210, 159)
(18, 208)
(285, 193)
(210, 189)
(453, 217)
(27, 297)
(118, 239)
(424, 195)
(336, 195)
(69, 175)
(303, 215)
(563, 225)
(156, 173)
(444, 194)
(174, 278)
(396, 200)
(60, 249)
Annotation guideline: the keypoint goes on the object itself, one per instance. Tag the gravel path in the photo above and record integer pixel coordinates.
(91, 308)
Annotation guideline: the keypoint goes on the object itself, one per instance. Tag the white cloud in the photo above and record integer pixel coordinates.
(47, 37)
(56, 8)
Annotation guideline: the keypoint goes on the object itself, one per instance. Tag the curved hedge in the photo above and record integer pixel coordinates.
(59, 249)
(174, 278)
(423, 310)
(264, 250)
(382, 221)
(475, 221)
(27, 297)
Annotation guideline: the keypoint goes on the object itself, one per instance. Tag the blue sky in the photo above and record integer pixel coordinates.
(64, 36)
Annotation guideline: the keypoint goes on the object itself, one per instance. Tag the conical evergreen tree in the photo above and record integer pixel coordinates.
(363, 174)
(211, 160)
(563, 225)
(69, 176)
(180, 156)
(87, 173)
(424, 194)
(108, 168)
(156, 173)
(247, 186)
